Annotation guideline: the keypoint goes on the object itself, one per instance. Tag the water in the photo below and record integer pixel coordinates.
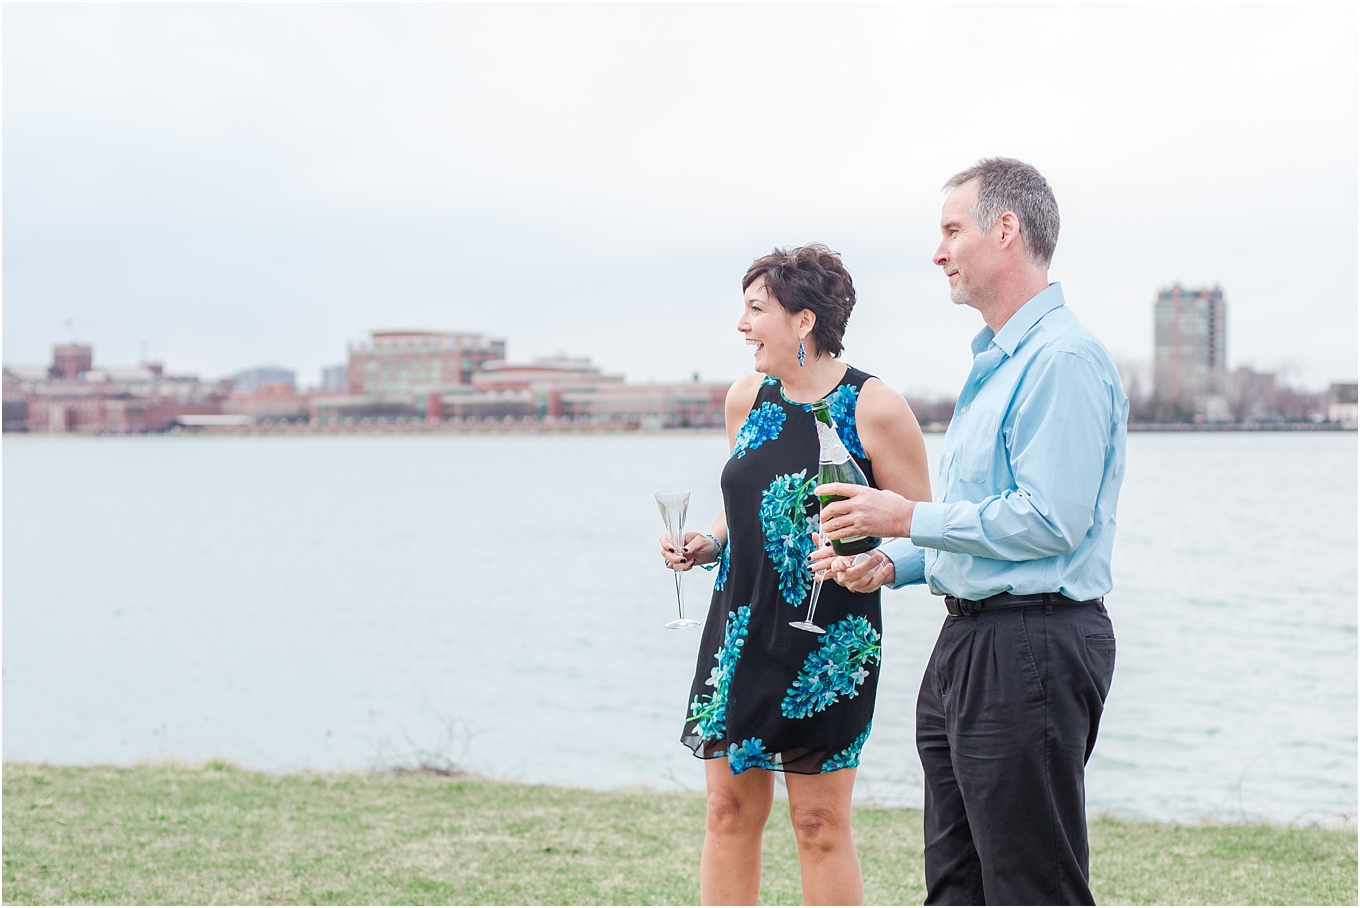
(351, 602)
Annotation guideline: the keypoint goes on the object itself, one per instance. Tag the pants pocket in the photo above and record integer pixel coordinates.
(1100, 651)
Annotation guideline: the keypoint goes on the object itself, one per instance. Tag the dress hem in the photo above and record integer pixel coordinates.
(779, 767)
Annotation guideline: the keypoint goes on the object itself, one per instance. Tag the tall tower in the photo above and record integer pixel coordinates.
(69, 360)
(1191, 337)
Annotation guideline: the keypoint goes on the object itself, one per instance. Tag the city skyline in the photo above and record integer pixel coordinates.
(240, 186)
(1205, 344)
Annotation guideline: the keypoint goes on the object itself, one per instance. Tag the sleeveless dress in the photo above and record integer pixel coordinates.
(766, 695)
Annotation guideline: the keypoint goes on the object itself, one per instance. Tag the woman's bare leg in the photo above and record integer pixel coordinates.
(738, 806)
(819, 807)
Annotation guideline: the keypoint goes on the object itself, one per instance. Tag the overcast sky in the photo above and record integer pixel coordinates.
(245, 184)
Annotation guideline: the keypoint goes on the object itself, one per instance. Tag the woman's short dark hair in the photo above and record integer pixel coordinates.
(809, 277)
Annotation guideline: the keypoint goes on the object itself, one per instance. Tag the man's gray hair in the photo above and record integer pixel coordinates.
(1005, 184)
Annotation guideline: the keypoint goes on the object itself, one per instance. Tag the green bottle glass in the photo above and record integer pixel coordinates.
(834, 464)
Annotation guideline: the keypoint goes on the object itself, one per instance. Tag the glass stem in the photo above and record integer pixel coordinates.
(812, 603)
(817, 581)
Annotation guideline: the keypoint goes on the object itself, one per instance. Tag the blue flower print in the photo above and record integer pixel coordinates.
(835, 670)
(749, 754)
(710, 717)
(720, 579)
(848, 758)
(763, 424)
(769, 380)
(842, 407)
(788, 532)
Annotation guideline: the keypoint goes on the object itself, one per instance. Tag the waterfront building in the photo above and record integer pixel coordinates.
(1251, 395)
(552, 390)
(351, 408)
(69, 360)
(1190, 349)
(273, 400)
(654, 406)
(333, 379)
(502, 391)
(1341, 406)
(403, 378)
(395, 364)
(72, 395)
(252, 380)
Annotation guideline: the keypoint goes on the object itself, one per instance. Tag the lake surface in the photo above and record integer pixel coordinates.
(498, 601)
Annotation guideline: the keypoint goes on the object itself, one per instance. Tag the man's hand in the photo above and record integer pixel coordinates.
(864, 512)
(867, 576)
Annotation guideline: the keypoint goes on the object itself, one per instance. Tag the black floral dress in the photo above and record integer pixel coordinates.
(766, 695)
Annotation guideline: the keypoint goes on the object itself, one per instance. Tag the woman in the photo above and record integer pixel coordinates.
(768, 697)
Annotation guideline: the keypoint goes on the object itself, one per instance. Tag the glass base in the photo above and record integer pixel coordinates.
(807, 626)
(682, 622)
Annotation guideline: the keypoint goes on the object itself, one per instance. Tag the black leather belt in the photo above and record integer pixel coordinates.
(960, 608)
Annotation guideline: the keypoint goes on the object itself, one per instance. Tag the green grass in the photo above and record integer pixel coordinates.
(174, 834)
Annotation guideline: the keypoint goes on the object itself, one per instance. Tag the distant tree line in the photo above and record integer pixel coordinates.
(1245, 396)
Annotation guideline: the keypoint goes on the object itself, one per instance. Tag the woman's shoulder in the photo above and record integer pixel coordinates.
(856, 377)
(878, 398)
(743, 393)
(747, 387)
(858, 390)
(883, 412)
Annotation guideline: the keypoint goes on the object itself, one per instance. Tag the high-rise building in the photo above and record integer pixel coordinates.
(395, 363)
(1191, 337)
(333, 379)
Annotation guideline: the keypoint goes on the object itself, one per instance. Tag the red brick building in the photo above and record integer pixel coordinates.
(394, 364)
(73, 396)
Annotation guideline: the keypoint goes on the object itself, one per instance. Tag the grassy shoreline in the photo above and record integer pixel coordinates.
(169, 833)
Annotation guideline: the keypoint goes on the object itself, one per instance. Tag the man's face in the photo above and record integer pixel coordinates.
(964, 253)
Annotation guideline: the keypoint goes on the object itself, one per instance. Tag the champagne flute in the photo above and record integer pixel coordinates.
(674, 506)
(806, 624)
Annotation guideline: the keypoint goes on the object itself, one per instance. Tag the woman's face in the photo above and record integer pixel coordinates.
(771, 330)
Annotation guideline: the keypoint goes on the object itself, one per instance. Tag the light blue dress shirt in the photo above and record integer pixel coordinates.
(1032, 465)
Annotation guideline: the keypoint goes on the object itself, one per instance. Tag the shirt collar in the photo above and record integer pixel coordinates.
(1019, 324)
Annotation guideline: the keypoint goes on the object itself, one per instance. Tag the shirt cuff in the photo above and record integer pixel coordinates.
(909, 562)
(927, 524)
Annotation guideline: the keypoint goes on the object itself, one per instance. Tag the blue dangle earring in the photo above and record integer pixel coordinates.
(802, 354)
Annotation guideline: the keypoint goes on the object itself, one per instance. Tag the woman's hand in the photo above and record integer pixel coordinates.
(855, 575)
(824, 557)
(698, 549)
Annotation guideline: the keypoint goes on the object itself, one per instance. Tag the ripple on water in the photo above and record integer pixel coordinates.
(290, 602)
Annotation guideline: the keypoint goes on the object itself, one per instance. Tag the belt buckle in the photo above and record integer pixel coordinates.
(956, 607)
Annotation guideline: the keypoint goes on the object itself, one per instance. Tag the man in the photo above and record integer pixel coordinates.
(1019, 544)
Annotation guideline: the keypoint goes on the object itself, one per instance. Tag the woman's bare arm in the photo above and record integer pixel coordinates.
(893, 441)
(741, 397)
(698, 548)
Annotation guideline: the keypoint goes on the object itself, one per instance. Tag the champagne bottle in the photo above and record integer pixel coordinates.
(834, 464)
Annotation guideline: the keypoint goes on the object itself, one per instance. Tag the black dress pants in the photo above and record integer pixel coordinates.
(1005, 722)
